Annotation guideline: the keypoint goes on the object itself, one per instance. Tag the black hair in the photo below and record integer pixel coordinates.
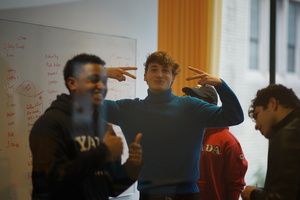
(75, 64)
(285, 96)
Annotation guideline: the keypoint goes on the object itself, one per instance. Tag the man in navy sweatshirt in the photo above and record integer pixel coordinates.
(76, 155)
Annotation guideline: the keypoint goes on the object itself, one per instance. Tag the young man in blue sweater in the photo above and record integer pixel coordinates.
(172, 128)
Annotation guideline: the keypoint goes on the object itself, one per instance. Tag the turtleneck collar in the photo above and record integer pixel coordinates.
(160, 97)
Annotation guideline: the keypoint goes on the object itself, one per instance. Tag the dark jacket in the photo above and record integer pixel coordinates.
(69, 160)
(283, 174)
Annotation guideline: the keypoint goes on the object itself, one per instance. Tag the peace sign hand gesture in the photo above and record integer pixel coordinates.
(120, 73)
(204, 77)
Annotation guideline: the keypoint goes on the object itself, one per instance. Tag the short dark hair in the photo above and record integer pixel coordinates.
(286, 97)
(164, 59)
(74, 64)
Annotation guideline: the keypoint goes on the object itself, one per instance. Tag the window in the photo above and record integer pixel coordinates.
(292, 32)
(245, 74)
(254, 34)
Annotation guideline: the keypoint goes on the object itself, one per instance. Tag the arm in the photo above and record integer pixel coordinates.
(230, 104)
(204, 78)
(120, 73)
(246, 194)
(231, 112)
(134, 161)
(112, 111)
(131, 168)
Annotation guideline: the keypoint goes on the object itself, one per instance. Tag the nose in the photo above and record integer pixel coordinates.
(257, 127)
(100, 85)
(159, 73)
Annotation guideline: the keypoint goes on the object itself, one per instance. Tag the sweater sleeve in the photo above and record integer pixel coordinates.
(112, 111)
(230, 113)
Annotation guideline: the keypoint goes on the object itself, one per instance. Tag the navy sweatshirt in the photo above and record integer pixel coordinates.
(69, 160)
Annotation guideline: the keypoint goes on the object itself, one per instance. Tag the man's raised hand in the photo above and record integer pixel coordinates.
(113, 142)
(135, 151)
(120, 73)
(204, 78)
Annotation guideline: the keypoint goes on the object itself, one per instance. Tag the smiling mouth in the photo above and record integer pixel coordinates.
(98, 95)
(159, 81)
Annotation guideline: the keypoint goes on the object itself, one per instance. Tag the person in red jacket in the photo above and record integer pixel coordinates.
(222, 162)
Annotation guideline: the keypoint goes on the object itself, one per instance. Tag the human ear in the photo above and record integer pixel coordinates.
(71, 83)
(173, 79)
(273, 103)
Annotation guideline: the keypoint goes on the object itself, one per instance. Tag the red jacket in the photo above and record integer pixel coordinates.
(222, 166)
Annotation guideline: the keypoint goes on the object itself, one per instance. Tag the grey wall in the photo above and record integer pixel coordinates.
(129, 18)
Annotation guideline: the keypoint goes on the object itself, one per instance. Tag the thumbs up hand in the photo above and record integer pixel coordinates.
(113, 142)
(135, 151)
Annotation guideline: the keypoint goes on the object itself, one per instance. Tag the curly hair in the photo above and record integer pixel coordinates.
(285, 96)
(164, 59)
(77, 62)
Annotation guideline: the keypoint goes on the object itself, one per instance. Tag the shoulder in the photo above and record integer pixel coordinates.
(291, 124)
(229, 138)
(52, 118)
(295, 124)
(290, 132)
(189, 100)
(123, 100)
(122, 104)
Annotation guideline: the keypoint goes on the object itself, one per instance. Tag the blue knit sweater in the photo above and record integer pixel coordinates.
(172, 128)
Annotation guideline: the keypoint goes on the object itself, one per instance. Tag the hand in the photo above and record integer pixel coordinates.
(204, 77)
(135, 151)
(113, 142)
(247, 191)
(119, 73)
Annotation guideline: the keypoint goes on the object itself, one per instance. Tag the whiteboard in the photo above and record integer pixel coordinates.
(32, 58)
